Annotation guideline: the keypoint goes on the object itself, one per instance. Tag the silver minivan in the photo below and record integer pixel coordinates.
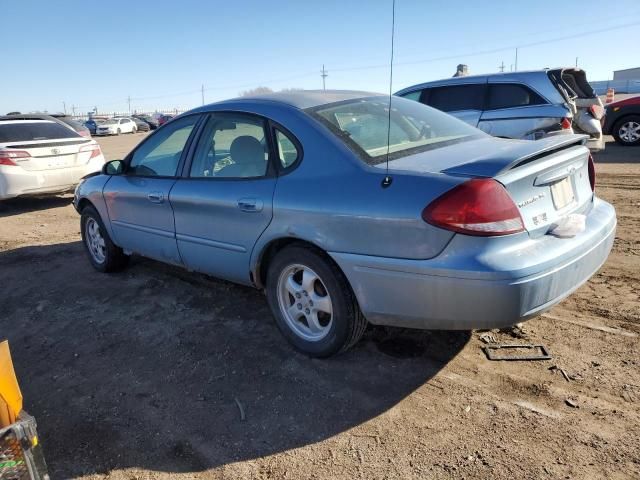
(524, 105)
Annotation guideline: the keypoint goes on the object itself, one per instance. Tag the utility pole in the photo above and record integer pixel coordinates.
(324, 75)
(202, 92)
(516, 59)
(576, 62)
(64, 106)
(129, 102)
(501, 67)
(73, 109)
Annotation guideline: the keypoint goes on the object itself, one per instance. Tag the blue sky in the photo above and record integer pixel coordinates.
(161, 52)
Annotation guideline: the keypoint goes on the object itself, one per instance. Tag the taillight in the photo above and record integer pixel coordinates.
(94, 148)
(479, 207)
(8, 157)
(85, 133)
(565, 123)
(596, 111)
(592, 173)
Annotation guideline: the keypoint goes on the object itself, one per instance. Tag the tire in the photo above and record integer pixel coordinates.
(110, 257)
(329, 333)
(133, 131)
(118, 132)
(623, 133)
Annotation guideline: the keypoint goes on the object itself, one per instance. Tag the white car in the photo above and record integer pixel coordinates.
(116, 126)
(43, 157)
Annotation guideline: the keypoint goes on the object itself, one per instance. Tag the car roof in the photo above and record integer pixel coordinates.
(499, 76)
(301, 99)
(29, 116)
(8, 120)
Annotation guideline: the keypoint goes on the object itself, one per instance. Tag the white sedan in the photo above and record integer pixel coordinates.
(43, 157)
(116, 126)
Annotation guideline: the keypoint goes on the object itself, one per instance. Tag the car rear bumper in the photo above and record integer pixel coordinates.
(16, 181)
(518, 279)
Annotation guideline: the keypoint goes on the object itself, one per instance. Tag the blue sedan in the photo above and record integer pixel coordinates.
(346, 219)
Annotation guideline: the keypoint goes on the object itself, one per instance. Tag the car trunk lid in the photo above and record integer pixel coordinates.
(548, 179)
(51, 154)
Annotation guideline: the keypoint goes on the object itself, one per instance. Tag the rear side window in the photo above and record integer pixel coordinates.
(287, 150)
(28, 131)
(458, 97)
(512, 95)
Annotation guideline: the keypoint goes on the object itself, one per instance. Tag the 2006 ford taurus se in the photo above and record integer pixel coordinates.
(431, 224)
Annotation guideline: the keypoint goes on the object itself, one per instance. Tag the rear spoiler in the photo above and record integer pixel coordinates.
(516, 154)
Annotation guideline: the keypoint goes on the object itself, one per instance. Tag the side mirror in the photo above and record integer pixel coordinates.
(114, 167)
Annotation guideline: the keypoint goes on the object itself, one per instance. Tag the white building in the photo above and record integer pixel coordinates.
(627, 74)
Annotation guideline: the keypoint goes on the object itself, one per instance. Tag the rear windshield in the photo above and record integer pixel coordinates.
(27, 131)
(363, 125)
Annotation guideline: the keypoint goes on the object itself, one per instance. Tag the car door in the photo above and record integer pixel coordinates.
(515, 110)
(223, 202)
(126, 125)
(462, 101)
(138, 200)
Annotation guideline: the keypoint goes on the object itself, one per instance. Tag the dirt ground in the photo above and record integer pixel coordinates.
(157, 373)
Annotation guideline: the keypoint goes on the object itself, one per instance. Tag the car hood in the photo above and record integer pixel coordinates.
(482, 157)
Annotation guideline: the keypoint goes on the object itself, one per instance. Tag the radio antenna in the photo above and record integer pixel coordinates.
(387, 179)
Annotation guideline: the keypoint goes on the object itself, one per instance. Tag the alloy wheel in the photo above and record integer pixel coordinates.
(630, 132)
(305, 302)
(95, 241)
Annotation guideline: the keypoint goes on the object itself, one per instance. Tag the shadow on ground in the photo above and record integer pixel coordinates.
(20, 205)
(148, 368)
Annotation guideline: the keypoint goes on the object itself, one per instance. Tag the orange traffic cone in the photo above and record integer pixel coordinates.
(610, 95)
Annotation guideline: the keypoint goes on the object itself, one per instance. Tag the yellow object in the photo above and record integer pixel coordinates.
(10, 396)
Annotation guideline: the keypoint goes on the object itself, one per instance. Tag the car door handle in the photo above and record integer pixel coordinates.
(156, 197)
(250, 205)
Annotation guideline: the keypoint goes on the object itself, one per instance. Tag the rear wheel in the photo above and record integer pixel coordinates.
(133, 130)
(104, 255)
(118, 132)
(626, 131)
(312, 302)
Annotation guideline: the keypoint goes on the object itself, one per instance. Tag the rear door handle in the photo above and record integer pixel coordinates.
(250, 204)
(156, 197)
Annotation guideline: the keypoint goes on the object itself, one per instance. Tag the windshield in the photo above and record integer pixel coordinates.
(110, 122)
(363, 125)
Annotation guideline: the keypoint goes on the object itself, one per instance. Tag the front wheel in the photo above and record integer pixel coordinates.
(627, 131)
(312, 302)
(118, 132)
(104, 255)
(133, 130)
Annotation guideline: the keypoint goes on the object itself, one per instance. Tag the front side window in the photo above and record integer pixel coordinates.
(363, 124)
(512, 95)
(231, 146)
(160, 154)
(457, 98)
